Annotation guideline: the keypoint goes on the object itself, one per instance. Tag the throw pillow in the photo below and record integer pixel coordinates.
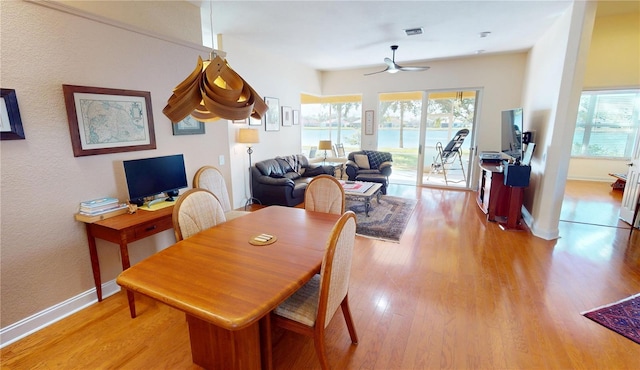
(362, 161)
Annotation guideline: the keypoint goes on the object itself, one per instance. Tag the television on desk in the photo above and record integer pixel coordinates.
(148, 177)
(512, 128)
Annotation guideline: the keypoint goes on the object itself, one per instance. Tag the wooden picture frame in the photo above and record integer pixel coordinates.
(10, 120)
(272, 117)
(296, 117)
(188, 126)
(287, 116)
(104, 121)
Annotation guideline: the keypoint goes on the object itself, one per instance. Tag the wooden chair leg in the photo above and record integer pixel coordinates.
(346, 312)
(321, 350)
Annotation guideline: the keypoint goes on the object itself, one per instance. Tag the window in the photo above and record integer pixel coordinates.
(607, 124)
(335, 118)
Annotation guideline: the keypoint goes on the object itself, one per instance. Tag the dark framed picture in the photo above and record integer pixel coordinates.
(10, 121)
(103, 121)
(272, 117)
(188, 126)
(287, 116)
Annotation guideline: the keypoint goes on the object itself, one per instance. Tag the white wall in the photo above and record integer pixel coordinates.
(272, 76)
(500, 78)
(552, 91)
(45, 259)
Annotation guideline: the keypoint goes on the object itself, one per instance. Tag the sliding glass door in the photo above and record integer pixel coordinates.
(416, 128)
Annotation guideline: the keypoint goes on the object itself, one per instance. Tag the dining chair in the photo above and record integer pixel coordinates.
(310, 309)
(210, 178)
(324, 194)
(196, 210)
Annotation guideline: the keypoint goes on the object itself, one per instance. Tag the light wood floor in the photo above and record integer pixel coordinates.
(456, 293)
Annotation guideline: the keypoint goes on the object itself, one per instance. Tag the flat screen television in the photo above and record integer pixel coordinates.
(512, 128)
(152, 176)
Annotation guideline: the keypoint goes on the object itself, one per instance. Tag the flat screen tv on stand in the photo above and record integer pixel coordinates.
(148, 177)
(512, 128)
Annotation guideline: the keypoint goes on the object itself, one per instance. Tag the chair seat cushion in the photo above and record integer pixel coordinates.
(302, 306)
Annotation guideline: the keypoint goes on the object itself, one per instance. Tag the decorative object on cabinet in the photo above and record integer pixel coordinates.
(10, 121)
(103, 121)
(188, 126)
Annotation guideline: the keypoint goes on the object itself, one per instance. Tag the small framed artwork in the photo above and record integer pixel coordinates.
(272, 117)
(255, 121)
(368, 122)
(239, 121)
(188, 126)
(296, 117)
(103, 121)
(287, 116)
(10, 121)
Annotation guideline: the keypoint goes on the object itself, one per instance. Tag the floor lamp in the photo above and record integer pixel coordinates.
(324, 145)
(249, 136)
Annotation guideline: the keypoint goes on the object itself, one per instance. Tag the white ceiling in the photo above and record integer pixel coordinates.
(332, 35)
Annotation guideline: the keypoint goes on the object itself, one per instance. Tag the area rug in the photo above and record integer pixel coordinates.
(623, 317)
(387, 220)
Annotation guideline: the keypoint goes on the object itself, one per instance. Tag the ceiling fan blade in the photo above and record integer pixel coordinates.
(390, 63)
(373, 73)
(413, 69)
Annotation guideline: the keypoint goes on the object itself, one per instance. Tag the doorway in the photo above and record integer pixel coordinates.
(416, 126)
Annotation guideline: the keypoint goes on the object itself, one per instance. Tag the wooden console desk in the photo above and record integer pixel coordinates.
(501, 203)
(124, 229)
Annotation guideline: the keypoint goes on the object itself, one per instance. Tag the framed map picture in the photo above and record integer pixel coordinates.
(103, 121)
(188, 126)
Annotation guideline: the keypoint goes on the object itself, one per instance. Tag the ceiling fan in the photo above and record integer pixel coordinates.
(392, 67)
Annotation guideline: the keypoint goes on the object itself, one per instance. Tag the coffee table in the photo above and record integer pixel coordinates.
(362, 191)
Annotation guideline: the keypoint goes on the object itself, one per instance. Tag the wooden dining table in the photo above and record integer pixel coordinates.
(227, 286)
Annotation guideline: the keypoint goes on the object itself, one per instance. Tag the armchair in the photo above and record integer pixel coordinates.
(370, 166)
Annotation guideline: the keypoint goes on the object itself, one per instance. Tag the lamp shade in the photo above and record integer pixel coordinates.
(248, 136)
(324, 145)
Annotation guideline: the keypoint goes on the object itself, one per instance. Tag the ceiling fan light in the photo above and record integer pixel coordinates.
(393, 70)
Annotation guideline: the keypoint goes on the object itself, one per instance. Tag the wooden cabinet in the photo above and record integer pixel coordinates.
(501, 203)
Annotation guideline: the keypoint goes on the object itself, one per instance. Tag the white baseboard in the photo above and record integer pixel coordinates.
(528, 219)
(44, 318)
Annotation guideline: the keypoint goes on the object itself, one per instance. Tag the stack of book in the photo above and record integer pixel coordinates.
(100, 209)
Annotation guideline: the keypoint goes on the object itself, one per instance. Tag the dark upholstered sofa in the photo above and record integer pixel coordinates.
(283, 180)
(370, 166)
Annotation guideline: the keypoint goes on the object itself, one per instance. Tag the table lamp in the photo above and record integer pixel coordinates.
(324, 145)
(249, 136)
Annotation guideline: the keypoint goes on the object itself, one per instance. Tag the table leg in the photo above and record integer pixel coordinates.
(266, 344)
(124, 255)
(95, 262)
(367, 205)
(213, 347)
